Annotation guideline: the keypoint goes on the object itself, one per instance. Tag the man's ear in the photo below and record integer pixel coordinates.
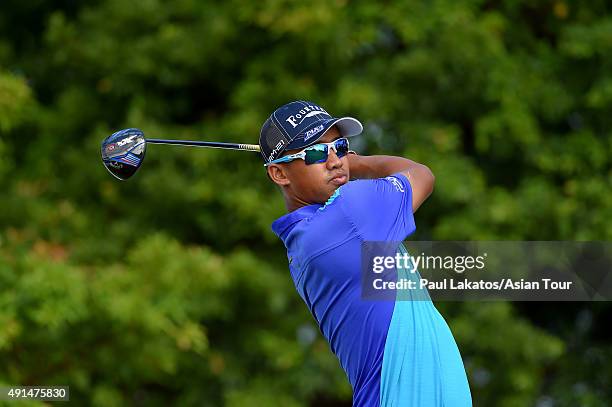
(278, 175)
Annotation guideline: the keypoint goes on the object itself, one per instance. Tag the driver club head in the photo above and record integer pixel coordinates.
(123, 152)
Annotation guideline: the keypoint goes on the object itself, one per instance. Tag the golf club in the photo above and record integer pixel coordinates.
(124, 151)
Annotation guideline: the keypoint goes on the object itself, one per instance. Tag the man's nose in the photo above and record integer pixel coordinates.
(333, 161)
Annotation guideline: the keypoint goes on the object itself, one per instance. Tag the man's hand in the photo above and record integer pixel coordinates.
(377, 166)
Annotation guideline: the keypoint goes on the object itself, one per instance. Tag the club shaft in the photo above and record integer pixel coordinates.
(210, 144)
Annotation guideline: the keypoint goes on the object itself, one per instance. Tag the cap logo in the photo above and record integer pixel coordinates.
(296, 119)
(276, 150)
(313, 132)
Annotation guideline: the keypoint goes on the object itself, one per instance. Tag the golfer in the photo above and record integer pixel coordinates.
(395, 353)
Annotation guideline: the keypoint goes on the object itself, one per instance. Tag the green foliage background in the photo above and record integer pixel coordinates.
(171, 288)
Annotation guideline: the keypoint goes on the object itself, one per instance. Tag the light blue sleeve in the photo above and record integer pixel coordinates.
(421, 365)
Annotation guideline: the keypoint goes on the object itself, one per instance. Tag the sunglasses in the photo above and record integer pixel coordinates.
(316, 153)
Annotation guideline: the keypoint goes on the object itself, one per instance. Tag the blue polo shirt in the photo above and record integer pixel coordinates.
(395, 353)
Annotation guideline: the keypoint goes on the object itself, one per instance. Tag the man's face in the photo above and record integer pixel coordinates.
(313, 183)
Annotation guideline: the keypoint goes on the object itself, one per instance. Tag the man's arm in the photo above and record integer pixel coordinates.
(377, 166)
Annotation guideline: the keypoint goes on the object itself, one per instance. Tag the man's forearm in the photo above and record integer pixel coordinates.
(378, 166)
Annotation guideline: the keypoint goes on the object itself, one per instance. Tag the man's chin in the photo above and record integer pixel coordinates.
(331, 192)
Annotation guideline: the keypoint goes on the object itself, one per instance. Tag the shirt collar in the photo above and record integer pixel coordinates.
(283, 225)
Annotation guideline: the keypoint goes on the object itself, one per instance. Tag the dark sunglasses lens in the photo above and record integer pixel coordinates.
(342, 147)
(316, 155)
